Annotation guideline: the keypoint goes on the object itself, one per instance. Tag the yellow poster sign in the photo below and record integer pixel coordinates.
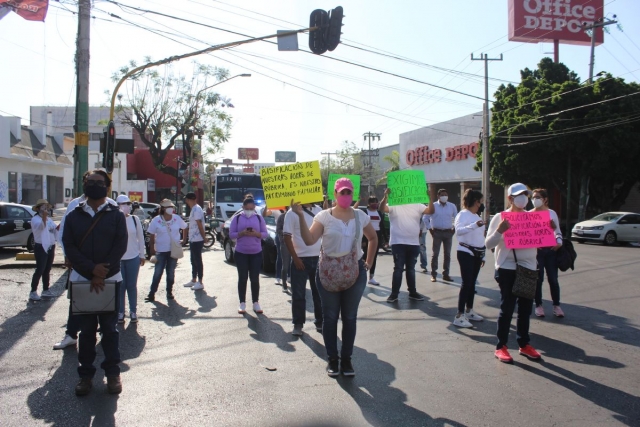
(298, 181)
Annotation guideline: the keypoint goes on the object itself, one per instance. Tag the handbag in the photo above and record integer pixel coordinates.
(477, 252)
(176, 248)
(84, 301)
(526, 281)
(338, 274)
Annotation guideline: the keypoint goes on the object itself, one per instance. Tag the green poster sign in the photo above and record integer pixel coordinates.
(333, 177)
(407, 187)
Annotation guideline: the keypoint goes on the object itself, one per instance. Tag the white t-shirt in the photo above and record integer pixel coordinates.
(468, 231)
(194, 232)
(337, 237)
(405, 224)
(45, 234)
(292, 228)
(135, 244)
(375, 218)
(158, 227)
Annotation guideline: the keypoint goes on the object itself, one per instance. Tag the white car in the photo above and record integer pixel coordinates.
(608, 228)
(15, 225)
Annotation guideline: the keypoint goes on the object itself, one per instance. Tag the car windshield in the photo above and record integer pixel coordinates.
(269, 220)
(606, 217)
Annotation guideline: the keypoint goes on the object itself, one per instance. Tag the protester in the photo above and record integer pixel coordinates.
(131, 261)
(95, 239)
(341, 229)
(197, 239)
(164, 229)
(283, 252)
(138, 211)
(45, 235)
(506, 276)
(547, 257)
(405, 244)
(424, 229)
(442, 233)
(471, 251)
(375, 218)
(248, 228)
(277, 242)
(304, 262)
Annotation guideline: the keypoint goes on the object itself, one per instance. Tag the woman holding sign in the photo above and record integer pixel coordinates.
(341, 275)
(507, 262)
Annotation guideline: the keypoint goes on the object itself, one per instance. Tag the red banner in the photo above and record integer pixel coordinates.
(31, 10)
(248, 153)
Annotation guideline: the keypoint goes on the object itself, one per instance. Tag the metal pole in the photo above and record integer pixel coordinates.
(567, 231)
(177, 178)
(556, 51)
(593, 55)
(81, 127)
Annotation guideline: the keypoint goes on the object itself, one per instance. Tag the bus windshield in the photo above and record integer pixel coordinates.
(236, 195)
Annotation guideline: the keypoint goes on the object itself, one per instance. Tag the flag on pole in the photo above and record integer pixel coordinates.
(31, 10)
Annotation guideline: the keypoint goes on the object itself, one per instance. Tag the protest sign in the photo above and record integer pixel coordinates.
(298, 181)
(528, 230)
(407, 187)
(333, 177)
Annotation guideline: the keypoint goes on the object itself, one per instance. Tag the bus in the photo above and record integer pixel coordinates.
(230, 190)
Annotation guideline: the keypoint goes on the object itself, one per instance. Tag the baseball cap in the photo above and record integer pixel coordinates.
(517, 189)
(190, 195)
(342, 184)
(123, 199)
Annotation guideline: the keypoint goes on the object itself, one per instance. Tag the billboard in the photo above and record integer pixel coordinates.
(535, 21)
(248, 153)
(285, 156)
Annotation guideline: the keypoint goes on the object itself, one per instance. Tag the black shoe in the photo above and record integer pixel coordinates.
(347, 368)
(392, 298)
(150, 298)
(447, 278)
(319, 327)
(114, 385)
(333, 367)
(425, 271)
(416, 296)
(285, 289)
(170, 296)
(84, 386)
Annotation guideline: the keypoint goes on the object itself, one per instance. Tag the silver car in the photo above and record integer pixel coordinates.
(608, 228)
(15, 225)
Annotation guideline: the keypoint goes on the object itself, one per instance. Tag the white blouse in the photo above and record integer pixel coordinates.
(338, 236)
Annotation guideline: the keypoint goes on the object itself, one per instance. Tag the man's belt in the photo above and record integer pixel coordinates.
(443, 229)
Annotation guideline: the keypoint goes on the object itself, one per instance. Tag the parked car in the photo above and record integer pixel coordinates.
(608, 228)
(15, 225)
(149, 208)
(269, 252)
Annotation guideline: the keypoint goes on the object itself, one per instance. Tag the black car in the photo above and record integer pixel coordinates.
(269, 252)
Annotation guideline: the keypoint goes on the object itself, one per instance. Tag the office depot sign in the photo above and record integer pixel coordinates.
(535, 21)
(423, 155)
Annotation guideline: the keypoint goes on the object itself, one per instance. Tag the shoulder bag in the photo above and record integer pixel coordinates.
(176, 248)
(526, 281)
(340, 273)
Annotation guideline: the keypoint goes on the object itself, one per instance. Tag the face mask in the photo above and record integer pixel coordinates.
(481, 209)
(43, 209)
(94, 192)
(374, 206)
(520, 201)
(538, 203)
(169, 211)
(126, 209)
(248, 213)
(344, 200)
(443, 199)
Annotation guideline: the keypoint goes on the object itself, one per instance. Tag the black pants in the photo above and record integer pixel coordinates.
(248, 266)
(469, 269)
(508, 301)
(365, 248)
(44, 261)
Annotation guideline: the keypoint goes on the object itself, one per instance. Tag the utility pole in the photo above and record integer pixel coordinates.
(329, 167)
(485, 131)
(600, 23)
(81, 127)
(369, 154)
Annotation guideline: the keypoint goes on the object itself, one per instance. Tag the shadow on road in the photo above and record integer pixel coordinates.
(131, 344)
(171, 314)
(269, 332)
(206, 302)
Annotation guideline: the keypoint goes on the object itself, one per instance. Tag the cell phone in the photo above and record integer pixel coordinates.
(249, 228)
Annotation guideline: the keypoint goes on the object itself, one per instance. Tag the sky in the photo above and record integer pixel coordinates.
(297, 101)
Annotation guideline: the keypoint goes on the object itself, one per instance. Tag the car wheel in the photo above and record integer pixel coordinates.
(228, 251)
(610, 238)
(31, 243)
(581, 241)
(267, 263)
(210, 238)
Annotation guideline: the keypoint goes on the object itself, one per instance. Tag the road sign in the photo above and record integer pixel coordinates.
(248, 153)
(285, 156)
(227, 161)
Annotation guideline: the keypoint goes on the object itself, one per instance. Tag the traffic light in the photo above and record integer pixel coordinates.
(332, 36)
(110, 147)
(327, 36)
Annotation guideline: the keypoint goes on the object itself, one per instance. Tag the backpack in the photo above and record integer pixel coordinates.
(566, 256)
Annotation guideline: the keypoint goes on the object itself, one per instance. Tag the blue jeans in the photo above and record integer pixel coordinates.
(164, 261)
(44, 261)
(423, 250)
(278, 257)
(248, 266)
(110, 342)
(547, 260)
(197, 267)
(508, 301)
(404, 257)
(345, 305)
(129, 269)
(299, 290)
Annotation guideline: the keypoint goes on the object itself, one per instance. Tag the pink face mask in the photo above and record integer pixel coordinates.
(344, 200)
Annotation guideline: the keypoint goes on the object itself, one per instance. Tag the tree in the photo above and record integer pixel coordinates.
(164, 108)
(551, 129)
(346, 161)
(394, 160)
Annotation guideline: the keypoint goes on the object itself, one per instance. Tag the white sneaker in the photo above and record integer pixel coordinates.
(472, 316)
(256, 308)
(373, 281)
(48, 294)
(462, 322)
(190, 284)
(243, 308)
(278, 282)
(66, 342)
(198, 286)
(33, 296)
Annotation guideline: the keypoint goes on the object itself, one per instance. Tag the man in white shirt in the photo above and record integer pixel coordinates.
(304, 262)
(197, 239)
(442, 232)
(405, 243)
(424, 229)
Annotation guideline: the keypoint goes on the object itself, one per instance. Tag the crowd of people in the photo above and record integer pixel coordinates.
(333, 247)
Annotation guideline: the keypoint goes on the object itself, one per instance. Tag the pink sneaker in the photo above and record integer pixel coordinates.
(557, 311)
(503, 355)
(530, 352)
(539, 311)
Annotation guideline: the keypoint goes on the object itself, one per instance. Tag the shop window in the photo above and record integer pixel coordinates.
(31, 188)
(13, 187)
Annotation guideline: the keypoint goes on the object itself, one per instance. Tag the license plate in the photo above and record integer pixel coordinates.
(579, 232)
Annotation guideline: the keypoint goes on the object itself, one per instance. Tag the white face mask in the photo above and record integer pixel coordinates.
(169, 211)
(538, 203)
(248, 213)
(443, 199)
(520, 201)
(126, 209)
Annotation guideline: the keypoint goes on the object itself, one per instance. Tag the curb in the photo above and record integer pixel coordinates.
(31, 264)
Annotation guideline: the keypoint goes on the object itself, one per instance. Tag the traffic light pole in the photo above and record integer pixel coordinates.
(81, 127)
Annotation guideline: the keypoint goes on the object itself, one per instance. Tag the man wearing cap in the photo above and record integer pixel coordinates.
(44, 234)
(442, 232)
(197, 239)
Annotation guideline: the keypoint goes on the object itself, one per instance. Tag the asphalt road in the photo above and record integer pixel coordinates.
(195, 361)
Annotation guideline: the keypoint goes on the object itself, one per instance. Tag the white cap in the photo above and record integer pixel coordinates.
(123, 199)
(517, 189)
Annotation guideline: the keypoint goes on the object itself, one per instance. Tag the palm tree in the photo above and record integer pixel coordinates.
(394, 160)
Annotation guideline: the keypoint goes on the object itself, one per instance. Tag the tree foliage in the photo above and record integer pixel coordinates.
(550, 119)
(346, 161)
(393, 160)
(164, 108)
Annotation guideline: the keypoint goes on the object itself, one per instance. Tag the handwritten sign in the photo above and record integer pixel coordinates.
(528, 230)
(333, 177)
(299, 181)
(407, 187)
